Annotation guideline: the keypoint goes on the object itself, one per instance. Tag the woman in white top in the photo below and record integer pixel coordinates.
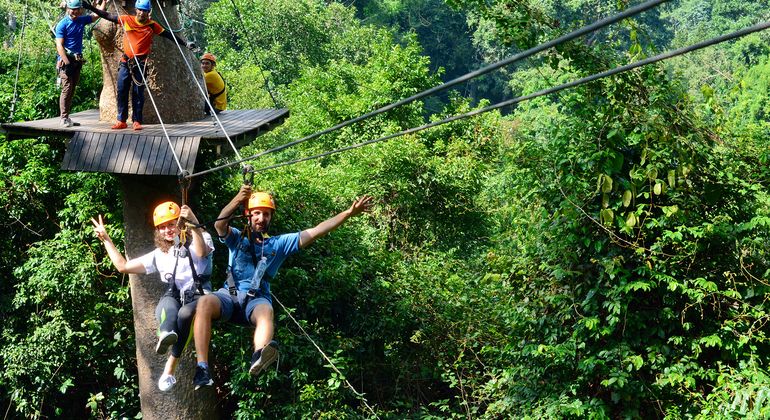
(172, 260)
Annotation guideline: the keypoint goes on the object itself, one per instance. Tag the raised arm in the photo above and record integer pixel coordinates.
(199, 246)
(223, 225)
(101, 11)
(308, 236)
(131, 266)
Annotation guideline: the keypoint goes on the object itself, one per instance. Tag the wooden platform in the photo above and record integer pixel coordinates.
(95, 147)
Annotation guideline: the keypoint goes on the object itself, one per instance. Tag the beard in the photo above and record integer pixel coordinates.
(162, 243)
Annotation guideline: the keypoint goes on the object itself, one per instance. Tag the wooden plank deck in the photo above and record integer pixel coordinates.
(95, 147)
(237, 123)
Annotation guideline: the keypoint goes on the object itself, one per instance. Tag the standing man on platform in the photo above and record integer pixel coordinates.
(69, 46)
(137, 39)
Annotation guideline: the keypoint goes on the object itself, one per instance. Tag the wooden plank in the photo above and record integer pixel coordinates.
(74, 148)
(169, 159)
(109, 144)
(133, 139)
(96, 157)
(124, 148)
(151, 162)
(184, 155)
(179, 148)
(118, 143)
(85, 157)
(142, 169)
(190, 165)
(137, 155)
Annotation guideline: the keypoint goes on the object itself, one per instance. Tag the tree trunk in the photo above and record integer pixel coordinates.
(169, 80)
(140, 196)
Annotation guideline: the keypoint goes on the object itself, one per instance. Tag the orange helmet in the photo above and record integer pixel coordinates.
(261, 199)
(165, 212)
(209, 56)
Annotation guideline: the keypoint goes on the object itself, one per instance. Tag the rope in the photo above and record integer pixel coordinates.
(462, 79)
(18, 62)
(169, 25)
(47, 19)
(144, 80)
(203, 92)
(660, 57)
(347, 383)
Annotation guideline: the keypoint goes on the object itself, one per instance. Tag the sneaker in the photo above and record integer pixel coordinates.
(202, 377)
(166, 340)
(119, 125)
(137, 126)
(65, 122)
(263, 358)
(166, 382)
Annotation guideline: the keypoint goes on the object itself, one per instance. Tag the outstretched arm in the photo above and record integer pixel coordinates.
(131, 266)
(101, 12)
(308, 236)
(222, 225)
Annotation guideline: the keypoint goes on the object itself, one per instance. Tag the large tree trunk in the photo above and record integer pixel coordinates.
(169, 80)
(140, 196)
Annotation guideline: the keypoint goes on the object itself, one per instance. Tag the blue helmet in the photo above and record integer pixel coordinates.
(141, 4)
(74, 4)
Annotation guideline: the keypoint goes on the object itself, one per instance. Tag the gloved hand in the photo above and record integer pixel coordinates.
(87, 5)
(191, 46)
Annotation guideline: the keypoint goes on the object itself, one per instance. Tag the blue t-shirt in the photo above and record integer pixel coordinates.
(276, 249)
(71, 31)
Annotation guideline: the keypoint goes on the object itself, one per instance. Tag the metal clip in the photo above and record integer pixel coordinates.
(246, 171)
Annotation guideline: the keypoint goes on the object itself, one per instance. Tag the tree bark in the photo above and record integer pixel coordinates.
(169, 79)
(140, 196)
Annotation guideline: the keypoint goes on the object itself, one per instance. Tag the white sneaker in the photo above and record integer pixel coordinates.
(166, 382)
(65, 122)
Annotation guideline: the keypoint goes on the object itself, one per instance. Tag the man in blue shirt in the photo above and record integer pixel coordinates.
(254, 260)
(69, 45)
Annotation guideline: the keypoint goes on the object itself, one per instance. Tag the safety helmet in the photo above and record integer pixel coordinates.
(165, 212)
(74, 4)
(261, 199)
(143, 4)
(209, 56)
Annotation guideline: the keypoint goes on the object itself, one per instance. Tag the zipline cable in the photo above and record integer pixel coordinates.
(542, 47)
(149, 91)
(200, 88)
(18, 62)
(660, 57)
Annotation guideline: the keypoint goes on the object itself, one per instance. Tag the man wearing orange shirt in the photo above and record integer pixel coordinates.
(137, 39)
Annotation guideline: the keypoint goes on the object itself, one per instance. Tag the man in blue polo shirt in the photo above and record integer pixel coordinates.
(254, 260)
(69, 45)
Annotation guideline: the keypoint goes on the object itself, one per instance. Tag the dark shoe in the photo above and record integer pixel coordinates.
(202, 377)
(166, 340)
(263, 358)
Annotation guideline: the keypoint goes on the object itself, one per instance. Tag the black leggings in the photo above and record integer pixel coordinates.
(172, 316)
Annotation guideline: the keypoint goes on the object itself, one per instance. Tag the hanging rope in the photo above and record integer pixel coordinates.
(203, 92)
(51, 26)
(18, 62)
(513, 101)
(144, 80)
(462, 79)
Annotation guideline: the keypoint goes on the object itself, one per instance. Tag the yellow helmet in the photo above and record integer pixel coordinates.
(261, 199)
(165, 212)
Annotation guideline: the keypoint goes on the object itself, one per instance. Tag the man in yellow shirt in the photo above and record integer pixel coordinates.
(215, 84)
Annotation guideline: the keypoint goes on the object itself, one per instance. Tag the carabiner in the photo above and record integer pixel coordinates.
(248, 170)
